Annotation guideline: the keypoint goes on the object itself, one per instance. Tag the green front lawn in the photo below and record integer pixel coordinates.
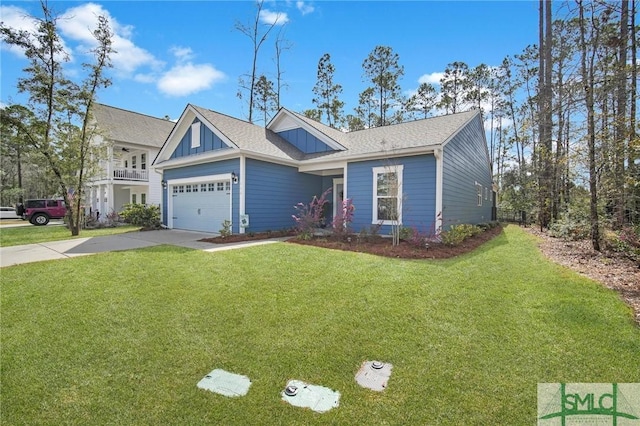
(13, 236)
(123, 337)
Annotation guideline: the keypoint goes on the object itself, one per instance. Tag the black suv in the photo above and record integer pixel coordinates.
(39, 212)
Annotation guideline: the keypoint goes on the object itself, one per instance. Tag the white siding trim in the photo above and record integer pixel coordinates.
(399, 170)
(438, 153)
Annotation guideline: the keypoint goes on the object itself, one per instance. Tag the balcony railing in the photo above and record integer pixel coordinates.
(120, 173)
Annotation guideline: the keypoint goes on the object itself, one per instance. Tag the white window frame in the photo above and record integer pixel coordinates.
(479, 194)
(399, 171)
(143, 161)
(195, 135)
(143, 198)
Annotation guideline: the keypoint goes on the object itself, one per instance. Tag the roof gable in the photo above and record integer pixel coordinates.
(208, 141)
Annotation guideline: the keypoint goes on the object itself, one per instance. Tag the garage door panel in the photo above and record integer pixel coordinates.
(201, 210)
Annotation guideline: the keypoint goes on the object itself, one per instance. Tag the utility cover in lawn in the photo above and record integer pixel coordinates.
(225, 383)
(318, 398)
(374, 375)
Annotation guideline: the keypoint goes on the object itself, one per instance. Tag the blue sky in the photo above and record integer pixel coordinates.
(171, 53)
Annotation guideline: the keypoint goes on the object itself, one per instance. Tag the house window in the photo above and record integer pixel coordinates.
(133, 199)
(133, 162)
(175, 189)
(212, 187)
(387, 195)
(188, 188)
(195, 135)
(486, 193)
(126, 164)
(227, 186)
(143, 162)
(143, 198)
(479, 192)
(195, 187)
(203, 187)
(181, 188)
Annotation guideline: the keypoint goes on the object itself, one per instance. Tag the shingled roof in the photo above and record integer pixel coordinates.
(427, 134)
(120, 125)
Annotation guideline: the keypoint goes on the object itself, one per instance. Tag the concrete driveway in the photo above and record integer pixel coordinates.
(52, 250)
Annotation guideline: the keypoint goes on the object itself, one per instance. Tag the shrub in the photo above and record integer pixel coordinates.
(405, 233)
(573, 225)
(458, 233)
(568, 230)
(226, 229)
(341, 224)
(369, 234)
(146, 216)
(418, 238)
(625, 241)
(310, 216)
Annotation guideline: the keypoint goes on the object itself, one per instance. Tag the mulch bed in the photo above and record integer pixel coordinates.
(237, 238)
(382, 246)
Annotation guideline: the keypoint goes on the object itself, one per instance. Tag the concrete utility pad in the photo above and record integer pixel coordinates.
(225, 383)
(374, 375)
(317, 398)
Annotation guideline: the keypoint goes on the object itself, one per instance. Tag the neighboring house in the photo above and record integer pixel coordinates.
(132, 141)
(218, 168)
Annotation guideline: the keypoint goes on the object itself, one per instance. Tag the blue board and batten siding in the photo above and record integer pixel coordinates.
(418, 189)
(217, 168)
(272, 191)
(465, 164)
(208, 142)
(304, 141)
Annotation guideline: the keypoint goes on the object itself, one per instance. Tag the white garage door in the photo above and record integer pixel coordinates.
(201, 206)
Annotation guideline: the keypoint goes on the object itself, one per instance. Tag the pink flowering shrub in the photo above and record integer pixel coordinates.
(344, 216)
(310, 216)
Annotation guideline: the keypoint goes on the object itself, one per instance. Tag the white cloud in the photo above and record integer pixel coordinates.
(433, 78)
(304, 8)
(182, 53)
(18, 19)
(273, 18)
(186, 79)
(78, 24)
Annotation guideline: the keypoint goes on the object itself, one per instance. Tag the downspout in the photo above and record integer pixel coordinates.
(438, 154)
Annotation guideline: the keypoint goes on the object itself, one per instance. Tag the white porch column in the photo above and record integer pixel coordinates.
(109, 162)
